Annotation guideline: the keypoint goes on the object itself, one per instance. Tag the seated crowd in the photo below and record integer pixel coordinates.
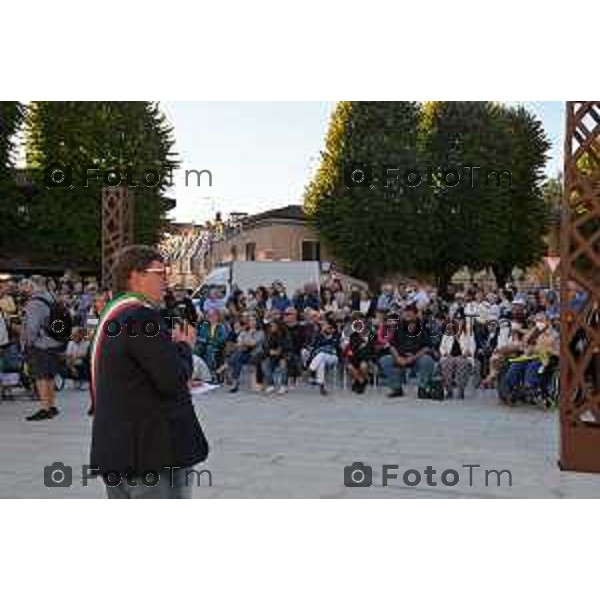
(84, 304)
(401, 333)
(396, 335)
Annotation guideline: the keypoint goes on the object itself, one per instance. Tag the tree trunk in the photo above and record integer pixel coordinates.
(502, 274)
(442, 280)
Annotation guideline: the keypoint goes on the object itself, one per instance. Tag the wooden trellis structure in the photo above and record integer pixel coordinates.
(580, 291)
(117, 227)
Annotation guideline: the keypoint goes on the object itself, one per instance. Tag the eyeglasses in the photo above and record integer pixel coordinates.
(164, 271)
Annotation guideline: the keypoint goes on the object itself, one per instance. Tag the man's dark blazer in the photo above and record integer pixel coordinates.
(144, 418)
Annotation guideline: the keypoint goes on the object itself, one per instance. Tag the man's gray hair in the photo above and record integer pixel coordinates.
(39, 283)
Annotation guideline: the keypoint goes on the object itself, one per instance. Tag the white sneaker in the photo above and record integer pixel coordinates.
(282, 390)
(270, 390)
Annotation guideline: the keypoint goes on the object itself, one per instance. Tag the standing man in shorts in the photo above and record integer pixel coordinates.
(42, 352)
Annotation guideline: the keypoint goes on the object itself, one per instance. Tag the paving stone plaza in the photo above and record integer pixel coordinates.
(297, 445)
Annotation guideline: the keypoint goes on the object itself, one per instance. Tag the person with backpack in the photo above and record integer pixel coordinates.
(45, 332)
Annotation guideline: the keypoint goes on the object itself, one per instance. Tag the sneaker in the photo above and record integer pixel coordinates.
(40, 415)
(423, 394)
(396, 393)
(359, 387)
(53, 410)
(234, 389)
(323, 391)
(282, 390)
(270, 390)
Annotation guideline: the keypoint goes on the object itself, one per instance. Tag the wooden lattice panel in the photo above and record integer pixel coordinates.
(580, 291)
(117, 227)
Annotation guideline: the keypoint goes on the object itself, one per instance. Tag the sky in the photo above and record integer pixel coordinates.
(262, 154)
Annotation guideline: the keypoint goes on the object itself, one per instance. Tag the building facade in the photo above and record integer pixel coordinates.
(279, 234)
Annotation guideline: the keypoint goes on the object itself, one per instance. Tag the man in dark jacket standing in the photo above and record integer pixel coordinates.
(411, 348)
(145, 434)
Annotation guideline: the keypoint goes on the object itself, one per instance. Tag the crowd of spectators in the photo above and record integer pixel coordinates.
(401, 332)
(397, 334)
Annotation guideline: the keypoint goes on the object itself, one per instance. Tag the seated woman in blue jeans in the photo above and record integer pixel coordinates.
(249, 348)
(210, 344)
(276, 352)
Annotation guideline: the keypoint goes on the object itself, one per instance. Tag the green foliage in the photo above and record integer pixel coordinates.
(527, 216)
(463, 220)
(553, 194)
(367, 228)
(11, 118)
(435, 228)
(66, 222)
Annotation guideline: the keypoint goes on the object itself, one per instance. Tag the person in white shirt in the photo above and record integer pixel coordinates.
(93, 316)
(494, 309)
(365, 303)
(457, 357)
(474, 308)
(457, 306)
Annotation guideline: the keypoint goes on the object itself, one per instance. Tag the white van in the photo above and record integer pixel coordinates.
(251, 274)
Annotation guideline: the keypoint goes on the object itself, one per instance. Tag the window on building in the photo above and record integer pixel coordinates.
(251, 251)
(233, 253)
(311, 250)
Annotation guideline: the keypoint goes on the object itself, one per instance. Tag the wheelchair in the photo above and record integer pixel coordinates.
(545, 394)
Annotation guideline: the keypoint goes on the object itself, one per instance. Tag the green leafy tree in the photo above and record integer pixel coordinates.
(553, 192)
(526, 215)
(479, 205)
(66, 222)
(461, 143)
(11, 118)
(370, 230)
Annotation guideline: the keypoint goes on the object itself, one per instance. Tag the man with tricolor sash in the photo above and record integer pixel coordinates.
(144, 419)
